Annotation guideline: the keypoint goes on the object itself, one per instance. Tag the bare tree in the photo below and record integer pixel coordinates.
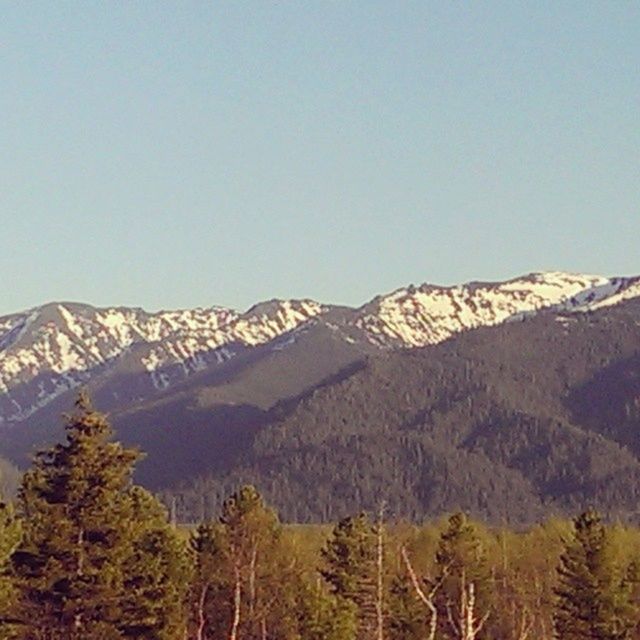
(427, 597)
(237, 598)
(464, 624)
(252, 578)
(379, 574)
(200, 610)
(525, 623)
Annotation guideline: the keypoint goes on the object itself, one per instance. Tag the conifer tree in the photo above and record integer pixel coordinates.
(409, 619)
(157, 574)
(84, 534)
(350, 568)
(245, 584)
(322, 616)
(592, 597)
(247, 531)
(209, 593)
(464, 578)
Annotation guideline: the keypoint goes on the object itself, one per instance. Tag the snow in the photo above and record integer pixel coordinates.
(632, 291)
(68, 359)
(428, 315)
(72, 321)
(172, 345)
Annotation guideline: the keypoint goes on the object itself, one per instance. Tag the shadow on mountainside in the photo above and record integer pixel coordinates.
(609, 403)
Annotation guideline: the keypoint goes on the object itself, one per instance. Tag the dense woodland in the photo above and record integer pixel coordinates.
(87, 554)
(518, 422)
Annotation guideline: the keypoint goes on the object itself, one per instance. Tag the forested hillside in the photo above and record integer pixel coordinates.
(510, 423)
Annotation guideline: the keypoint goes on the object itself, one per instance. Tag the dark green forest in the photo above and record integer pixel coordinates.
(88, 554)
(514, 423)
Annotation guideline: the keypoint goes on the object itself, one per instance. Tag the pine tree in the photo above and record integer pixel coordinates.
(247, 532)
(409, 618)
(158, 572)
(464, 578)
(85, 534)
(245, 583)
(350, 568)
(322, 616)
(592, 597)
(209, 596)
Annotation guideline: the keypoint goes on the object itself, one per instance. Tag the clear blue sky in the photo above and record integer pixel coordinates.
(173, 154)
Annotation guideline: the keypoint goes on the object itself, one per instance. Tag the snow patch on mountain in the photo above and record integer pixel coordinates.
(52, 349)
(68, 343)
(623, 289)
(427, 315)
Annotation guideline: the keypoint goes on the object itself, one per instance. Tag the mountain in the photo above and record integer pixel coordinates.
(50, 350)
(203, 390)
(47, 351)
(427, 315)
(513, 422)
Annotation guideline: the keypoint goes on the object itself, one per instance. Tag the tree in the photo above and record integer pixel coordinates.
(592, 597)
(247, 532)
(322, 616)
(86, 533)
(409, 618)
(10, 535)
(413, 604)
(463, 598)
(157, 574)
(207, 582)
(246, 584)
(350, 567)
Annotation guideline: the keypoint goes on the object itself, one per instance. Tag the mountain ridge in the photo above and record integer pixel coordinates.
(48, 351)
(483, 387)
(517, 421)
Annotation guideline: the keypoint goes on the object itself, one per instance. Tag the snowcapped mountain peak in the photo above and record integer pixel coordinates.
(48, 350)
(267, 320)
(428, 314)
(62, 345)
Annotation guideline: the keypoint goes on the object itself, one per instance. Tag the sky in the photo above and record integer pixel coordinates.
(180, 154)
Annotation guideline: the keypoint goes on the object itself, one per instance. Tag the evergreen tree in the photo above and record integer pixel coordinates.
(158, 571)
(592, 597)
(409, 618)
(464, 576)
(209, 593)
(248, 531)
(322, 616)
(350, 568)
(85, 534)
(246, 583)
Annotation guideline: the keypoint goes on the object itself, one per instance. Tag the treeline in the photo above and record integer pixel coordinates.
(86, 554)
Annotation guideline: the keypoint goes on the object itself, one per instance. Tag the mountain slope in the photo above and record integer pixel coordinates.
(440, 396)
(417, 317)
(55, 348)
(513, 422)
(48, 351)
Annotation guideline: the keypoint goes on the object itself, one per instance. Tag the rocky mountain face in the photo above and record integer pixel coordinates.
(48, 351)
(427, 315)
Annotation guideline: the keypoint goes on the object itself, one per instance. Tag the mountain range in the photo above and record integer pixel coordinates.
(431, 397)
